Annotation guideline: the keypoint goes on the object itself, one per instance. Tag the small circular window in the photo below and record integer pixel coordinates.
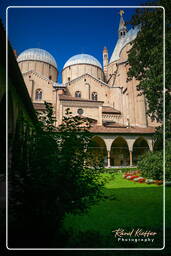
(80, 111)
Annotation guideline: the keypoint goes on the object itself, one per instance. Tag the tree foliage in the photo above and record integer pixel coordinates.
(48, 178)
(147, 66)
(151, 165)
(82, 183)
(146, 58)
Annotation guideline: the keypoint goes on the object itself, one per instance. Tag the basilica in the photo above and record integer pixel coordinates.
(101, 93)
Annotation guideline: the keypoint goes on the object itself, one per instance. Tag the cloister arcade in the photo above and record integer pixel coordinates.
(98, 150)
(120, 150)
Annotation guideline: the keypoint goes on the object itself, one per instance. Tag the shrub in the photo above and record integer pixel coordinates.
(151, 165)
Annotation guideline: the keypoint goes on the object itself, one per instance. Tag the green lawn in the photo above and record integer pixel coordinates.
(127, 205)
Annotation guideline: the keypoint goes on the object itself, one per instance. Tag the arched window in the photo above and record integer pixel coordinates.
(78, 94)
(94, 95)
(38, 95)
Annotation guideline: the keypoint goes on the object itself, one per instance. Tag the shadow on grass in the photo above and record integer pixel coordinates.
(120, 208)
(140, 207)
(93, 239)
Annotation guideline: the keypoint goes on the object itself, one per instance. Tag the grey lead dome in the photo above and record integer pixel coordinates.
(37, 54)
(82, 59)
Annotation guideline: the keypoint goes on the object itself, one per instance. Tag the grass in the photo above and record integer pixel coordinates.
(126, 205)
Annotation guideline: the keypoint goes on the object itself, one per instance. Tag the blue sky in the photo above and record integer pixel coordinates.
(65, 32)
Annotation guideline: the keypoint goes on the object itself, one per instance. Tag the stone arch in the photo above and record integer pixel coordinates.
(97, 148)
(119, 154)
(140, 147)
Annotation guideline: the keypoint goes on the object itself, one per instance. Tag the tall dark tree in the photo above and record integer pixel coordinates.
(48, 178)
(147, 62)
(151, 52)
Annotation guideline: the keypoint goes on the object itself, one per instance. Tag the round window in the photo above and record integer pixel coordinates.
(80, 111)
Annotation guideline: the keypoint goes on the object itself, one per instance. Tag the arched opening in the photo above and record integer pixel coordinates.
(119, 154)
(139, 148)
(94, 96)
(78, 94)
(98, 151)
(38, 95)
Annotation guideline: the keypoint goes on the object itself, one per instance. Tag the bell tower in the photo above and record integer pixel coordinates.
(122, 27)
(105, 60)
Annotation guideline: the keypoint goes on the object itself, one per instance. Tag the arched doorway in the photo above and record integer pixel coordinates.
(139, 148)
(119, 155)
(98, 151)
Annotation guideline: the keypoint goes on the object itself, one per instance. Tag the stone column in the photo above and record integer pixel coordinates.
(108, 159)
(130, 158)
(150, 144)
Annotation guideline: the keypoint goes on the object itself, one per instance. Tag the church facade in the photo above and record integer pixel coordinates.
(122, 131)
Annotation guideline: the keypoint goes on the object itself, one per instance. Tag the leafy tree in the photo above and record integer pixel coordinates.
(48, 178)
(146, 59)
(80, 185)
(146, 65)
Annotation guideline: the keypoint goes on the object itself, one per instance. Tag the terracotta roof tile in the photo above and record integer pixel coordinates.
(106, 109)
(40, 106)
(103, 129)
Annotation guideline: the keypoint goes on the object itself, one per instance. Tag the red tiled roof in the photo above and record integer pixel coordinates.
(106, 109)
(40, 106)
(70, 98)
(103, 129)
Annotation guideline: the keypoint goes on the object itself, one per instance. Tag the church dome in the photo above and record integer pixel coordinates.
(37, 55)
(82, 59)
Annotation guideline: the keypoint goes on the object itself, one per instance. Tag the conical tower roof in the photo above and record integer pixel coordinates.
(122, 27)
(122, 23)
